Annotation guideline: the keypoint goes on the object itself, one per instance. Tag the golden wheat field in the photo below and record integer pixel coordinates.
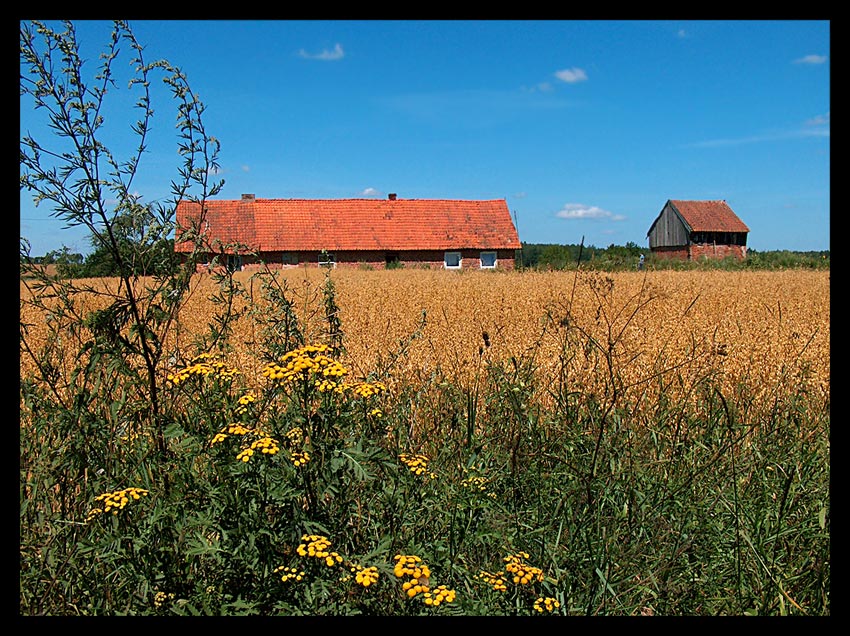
(639, 331)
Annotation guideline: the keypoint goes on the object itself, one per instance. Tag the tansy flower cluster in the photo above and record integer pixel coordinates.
(439, 595)
(496, 581)
(116, 501)
(306, 362)
(299, 458)
(289, 574)
(203, 365)
(160, 598)
(317, 546)
(244, 402)
(265, 445)
(419, 573)
(295, 437)
(476, 482)
(419, 581)
(364, 576)
(418, 464)
(366, 389)
(230, 429)
(547, 604)
(523, 574)
(313, 545)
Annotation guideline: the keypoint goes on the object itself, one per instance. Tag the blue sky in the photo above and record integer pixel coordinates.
(586, 128)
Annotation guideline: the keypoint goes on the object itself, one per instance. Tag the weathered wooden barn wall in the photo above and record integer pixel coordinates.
(668, 231)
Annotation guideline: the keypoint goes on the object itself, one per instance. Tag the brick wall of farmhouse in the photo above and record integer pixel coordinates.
(426, 259)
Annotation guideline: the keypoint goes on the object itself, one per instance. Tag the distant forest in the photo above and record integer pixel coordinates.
(546, 256)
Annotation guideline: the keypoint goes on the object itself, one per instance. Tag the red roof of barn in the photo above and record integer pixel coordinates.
(285, 225)
(708, 216)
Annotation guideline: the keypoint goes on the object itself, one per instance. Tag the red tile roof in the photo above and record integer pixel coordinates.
(356, 224)
(709, 216)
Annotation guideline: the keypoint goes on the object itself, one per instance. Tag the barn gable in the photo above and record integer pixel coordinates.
(358, 231)
(698, 229)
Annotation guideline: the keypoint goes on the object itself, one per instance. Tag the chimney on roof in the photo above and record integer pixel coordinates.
(392, 196)
(248, 197)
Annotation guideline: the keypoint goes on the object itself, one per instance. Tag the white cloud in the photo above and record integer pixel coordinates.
(370, 192)
(811, 59)
(681, 33)
(246, 168)
(820, 120)
(325, 55)
(581, 211)
(571, 75)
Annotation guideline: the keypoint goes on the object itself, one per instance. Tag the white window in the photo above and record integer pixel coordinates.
(488, 260)
(327, 259)
(452, 260)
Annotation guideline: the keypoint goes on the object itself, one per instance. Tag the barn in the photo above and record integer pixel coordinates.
(374, 233)
(692, 230)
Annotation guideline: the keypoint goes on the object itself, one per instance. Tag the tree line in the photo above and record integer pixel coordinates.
(158, 258)
(545, 256)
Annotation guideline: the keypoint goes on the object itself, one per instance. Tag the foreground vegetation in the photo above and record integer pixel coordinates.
(589, 469)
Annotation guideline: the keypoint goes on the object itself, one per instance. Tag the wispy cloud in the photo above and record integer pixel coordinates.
(819, 120)
(370, 192)
(581, 211)
(328, 56)
(815, 127)
(811, 59)
(571, 75)
(681, 33)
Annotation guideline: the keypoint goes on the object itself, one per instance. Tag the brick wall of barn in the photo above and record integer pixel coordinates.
(708, 250)
(698, 251)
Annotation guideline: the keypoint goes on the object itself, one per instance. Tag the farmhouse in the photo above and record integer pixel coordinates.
(690, 230)
(283, 233)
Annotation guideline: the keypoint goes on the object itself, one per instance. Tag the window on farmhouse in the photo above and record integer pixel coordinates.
(452, 260)
(392, 260)
(327, 259)
(234, 263)
(488, 260)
